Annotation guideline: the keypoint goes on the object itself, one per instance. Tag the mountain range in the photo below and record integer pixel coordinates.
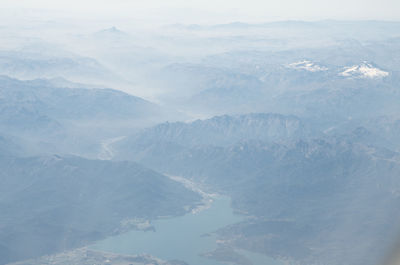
(300, 190)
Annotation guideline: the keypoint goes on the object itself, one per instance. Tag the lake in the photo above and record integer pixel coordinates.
(183, 237)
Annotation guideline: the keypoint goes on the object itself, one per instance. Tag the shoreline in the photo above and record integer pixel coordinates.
(207, 198)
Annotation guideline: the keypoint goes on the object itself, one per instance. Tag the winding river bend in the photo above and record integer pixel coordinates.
(185, 237)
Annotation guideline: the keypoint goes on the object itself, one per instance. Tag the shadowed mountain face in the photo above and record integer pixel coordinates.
(54, 203)
(341, 197)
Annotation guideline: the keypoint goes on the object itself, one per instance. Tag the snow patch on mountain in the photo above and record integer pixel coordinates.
(307, 65)
(364, 70)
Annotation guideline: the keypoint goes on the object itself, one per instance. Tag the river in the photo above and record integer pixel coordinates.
(184, 237)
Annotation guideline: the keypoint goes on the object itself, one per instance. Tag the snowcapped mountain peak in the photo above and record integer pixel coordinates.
(307, 65)
(363, 70)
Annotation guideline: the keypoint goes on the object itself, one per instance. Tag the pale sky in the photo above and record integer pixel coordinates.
(260, 9)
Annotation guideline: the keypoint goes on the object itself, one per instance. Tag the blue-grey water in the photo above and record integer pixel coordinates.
(182, 238)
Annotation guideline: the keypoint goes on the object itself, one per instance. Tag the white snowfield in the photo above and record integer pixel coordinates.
(364, 70)
(307, 65)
